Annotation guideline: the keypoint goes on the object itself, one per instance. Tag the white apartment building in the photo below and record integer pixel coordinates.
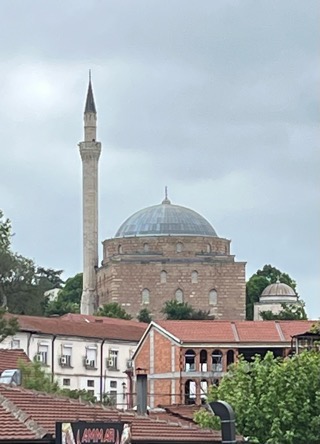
(83, 352)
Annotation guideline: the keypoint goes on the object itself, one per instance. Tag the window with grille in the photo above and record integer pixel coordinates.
(194, 277)
(90, 383)
(113, 384)
(213, 297)
(43, 352)
(91, 357)
(66, 382)
(66, 354)
(163, 277)
(15, 343)
(113, 356)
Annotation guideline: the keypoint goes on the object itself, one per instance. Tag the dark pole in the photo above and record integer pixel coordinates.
(226, 414)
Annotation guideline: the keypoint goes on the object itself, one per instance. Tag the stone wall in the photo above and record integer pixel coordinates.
(162, 265)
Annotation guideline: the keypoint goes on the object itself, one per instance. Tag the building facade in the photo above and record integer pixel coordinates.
(169, 252)
(83, 353)
(183, 358)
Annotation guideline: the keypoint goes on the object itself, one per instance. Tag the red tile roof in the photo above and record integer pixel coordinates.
(9, 359)
(109, 328)
(234, 331)
(28, 414)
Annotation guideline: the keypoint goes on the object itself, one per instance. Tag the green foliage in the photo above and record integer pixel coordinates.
(175, 310)
(289, 312)
(83, 394)
(259, 281)
(275, 401)
(69, 297)
(315, 328)
(22, 283)
(113, 310)
(8, 325)
(35, 378)
(144, 316)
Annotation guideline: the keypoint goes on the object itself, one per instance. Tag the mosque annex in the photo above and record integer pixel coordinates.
(160, 253)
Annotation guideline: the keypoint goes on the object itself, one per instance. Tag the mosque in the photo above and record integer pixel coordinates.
(160, 253)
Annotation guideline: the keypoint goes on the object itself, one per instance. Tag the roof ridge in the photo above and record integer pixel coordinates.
(23, 417)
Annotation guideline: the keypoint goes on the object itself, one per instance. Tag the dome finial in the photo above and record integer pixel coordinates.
(166, 200)
(278, 279)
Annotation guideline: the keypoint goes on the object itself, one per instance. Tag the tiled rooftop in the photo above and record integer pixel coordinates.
(9, 359)
(235, 331)
(27, 414)
(84, 326)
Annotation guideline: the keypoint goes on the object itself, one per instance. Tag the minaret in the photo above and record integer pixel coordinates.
(90, 152)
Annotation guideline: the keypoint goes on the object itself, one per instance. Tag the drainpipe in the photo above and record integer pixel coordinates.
(52, 357)
(226, 414)
(28, 346)
(142, 394)
(101, 368)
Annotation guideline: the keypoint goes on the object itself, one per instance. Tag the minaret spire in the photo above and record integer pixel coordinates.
(90, 152)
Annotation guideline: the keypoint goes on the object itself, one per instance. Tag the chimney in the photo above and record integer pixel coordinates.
(142, 394)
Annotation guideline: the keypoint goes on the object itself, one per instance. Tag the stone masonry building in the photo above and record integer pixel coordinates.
(160, 253)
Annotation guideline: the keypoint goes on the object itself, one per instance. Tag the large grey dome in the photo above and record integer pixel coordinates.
(166, 220)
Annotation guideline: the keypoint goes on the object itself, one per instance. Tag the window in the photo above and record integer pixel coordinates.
(91, 392)
(213, 297)
(203, 361)
(66, 355)
(120, 250)
(217, 361)
(179, 247)
(203, 390)
(113, 384)
(190, 392)
(230, 357)
(145, 296)
(208, 248)
(113, 359)
(145, 247)
(43, 353)
(163, 277)
(179, 295)
(66, 382)
(194, 277)
(190, 361)
(91, 357)
(15, 343)
(90, 383)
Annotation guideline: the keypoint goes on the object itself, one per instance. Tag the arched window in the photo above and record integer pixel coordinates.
(217, 361)
(203, 361)
(190, 361)
(208, 248)
(194, 277)
(179, 295)
(190, 392)
(230, 357)
(203, 390)
(179, 247)
(145, 247)
(163, 277)
(145, 296)
(213, 297)
(120, 250)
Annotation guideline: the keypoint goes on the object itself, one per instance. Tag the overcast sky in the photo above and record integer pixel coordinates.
(216, 99)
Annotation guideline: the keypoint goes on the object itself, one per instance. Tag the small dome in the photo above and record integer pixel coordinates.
(278, 289)
(166, 220)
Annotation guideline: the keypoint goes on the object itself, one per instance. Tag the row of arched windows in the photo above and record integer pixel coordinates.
(179, 296)
(179, 248)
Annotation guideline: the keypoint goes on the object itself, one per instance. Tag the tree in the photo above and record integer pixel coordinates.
(69, 297)
(275, 400)
(289, 312)
(259, 281)
(8, 325)
(113, 310)
(22, 283)
(144, 316)
(35, 378)
(175, 310)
